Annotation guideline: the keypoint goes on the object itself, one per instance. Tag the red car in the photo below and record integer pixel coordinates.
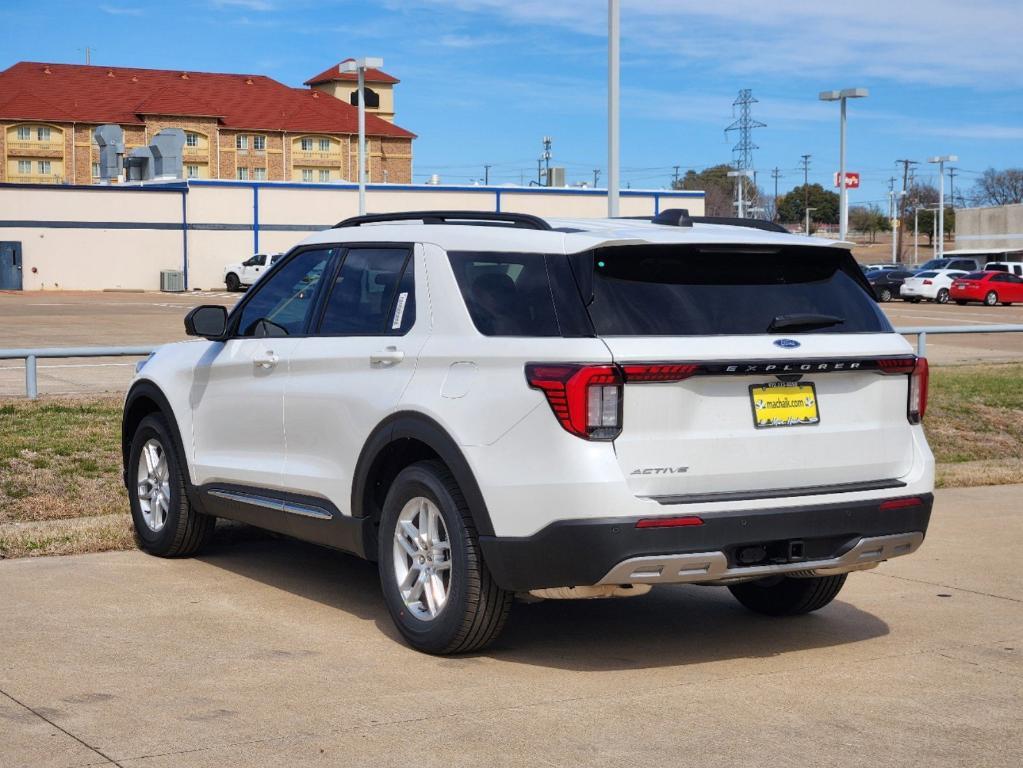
(989, 288)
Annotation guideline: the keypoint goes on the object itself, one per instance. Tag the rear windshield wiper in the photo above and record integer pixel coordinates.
(806, 321)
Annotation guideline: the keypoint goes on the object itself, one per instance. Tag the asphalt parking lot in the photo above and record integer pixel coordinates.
(270, 652)
(52, 319)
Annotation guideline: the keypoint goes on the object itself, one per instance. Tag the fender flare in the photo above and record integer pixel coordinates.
(146, 388)
(417, 426)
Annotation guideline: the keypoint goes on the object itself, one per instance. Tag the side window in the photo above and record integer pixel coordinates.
(1001, 277)
(507, 294)
(260, 259)
(281, 304)
(373, 295)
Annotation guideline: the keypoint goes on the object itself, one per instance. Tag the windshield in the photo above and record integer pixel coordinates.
(692, 290)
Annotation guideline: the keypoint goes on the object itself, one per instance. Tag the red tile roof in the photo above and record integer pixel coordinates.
(84, 94)
(331, 74)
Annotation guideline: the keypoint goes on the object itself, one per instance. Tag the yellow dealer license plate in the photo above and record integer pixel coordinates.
(784, 404)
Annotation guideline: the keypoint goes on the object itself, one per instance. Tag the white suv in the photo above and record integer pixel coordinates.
(492, 404)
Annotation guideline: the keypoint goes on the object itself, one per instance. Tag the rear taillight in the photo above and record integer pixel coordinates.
(928, 282)
(652, 372)
(585, 399)
(916, 367)
(918, 391)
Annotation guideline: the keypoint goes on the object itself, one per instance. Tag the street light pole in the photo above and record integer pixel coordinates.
(359, 66)
(613, 63)
(916, 234)
(843, 198)
(941, 160)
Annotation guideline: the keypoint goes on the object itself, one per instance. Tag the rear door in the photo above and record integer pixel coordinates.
(1009, 287)
(762, 334)
(351, 371)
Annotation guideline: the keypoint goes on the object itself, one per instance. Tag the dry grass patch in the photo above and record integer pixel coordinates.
(60, 459)
(66, 537)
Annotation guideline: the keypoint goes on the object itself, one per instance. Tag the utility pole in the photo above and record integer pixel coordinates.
(674, 178)
(596, 175)
(547, 142)
(88, 56)
(776, 174)
(952, 187)
(613, 105)
(486, 175)
(902, 203)
(806, 189)
(539, 171)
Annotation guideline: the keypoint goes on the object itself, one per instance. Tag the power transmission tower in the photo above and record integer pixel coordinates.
(742, 152)
(776, 174)
(901, 234)
(806, 181)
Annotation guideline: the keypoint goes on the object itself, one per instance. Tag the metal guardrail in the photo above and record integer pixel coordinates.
(30, 356)
(921, 332)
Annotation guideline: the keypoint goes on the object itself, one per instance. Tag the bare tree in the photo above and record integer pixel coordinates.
(999, 187)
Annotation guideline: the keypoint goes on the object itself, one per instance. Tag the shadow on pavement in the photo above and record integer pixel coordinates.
(671, 626)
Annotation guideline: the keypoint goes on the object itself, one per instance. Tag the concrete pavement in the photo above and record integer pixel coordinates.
(268, 652)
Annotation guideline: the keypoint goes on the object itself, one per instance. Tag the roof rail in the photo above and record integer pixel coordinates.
(481, 218)
(679, 217)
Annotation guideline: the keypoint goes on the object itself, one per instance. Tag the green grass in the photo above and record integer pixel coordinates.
(60, 459)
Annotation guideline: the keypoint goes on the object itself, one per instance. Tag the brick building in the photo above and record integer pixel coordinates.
(247, 127)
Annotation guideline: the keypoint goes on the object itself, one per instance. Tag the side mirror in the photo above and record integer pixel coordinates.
(208, 321)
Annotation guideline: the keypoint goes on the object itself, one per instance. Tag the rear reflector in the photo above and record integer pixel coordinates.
(912, 501)
(669, 522)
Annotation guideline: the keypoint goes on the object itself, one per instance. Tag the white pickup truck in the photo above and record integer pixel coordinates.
(237, 276)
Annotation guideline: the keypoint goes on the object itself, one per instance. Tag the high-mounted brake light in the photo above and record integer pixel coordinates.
(586, 399)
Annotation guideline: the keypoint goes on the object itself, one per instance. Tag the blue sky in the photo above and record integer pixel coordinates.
(484, 80)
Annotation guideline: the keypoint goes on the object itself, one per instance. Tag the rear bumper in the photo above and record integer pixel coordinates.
(832, 537)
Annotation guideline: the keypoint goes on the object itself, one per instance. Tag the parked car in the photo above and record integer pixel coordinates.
(493, 404)
(932, 285)
(961, 263)
(883, 267)
(988, 287)
(1012, 267)
(237, 276)
(887, 282)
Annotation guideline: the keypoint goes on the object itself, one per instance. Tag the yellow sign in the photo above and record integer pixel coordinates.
(784, 404)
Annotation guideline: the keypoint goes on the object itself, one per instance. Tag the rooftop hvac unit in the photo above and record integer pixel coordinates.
(172, 280)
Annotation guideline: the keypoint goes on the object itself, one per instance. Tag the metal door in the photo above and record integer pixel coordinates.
(10, 266)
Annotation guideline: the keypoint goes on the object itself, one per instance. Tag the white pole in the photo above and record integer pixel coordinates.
(941, 209)
(613, 63)
(843, 197)
(362, 141)
(916, 235)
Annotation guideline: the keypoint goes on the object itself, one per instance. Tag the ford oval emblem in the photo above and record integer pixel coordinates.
(786, 343)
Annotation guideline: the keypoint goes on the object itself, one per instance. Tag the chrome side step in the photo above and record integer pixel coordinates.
(712, 567)
(278, 505)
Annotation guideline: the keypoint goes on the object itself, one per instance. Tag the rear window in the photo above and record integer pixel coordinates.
(926, 274)
(693, 291)
(972, 276)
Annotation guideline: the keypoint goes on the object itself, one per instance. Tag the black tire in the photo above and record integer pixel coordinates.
(476, 607)
(991, 299)
(916, 300)
(960, 302)
(942, 297)
(886, 295)
(1006, 303)
(786, 596)
(185, 530)
(232, 282)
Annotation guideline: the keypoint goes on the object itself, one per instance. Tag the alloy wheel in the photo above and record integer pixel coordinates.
(153, 485)
(422, 558)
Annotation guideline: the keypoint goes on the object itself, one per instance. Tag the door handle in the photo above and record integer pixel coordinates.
(387, 356)
(267, 359)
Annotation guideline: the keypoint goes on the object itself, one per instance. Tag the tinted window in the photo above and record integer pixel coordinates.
(926, 274)
(373, 294)
(963, 264)
(676, 291)
(507, 294)
(1001, 277)
(281, 302)
(973, 276)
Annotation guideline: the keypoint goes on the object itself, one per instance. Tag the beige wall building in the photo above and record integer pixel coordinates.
(238, 127)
